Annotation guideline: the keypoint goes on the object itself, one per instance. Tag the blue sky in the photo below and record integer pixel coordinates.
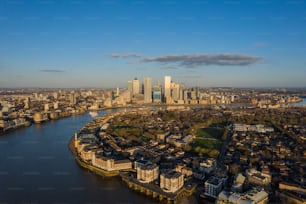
(105, 43)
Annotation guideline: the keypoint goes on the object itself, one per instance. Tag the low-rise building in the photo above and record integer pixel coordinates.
(258, 178)
(292, 197)
(214, 185)
(171, 181)
(208, 165)
(238, 183)
(109, 164)
(147, 173)
(253, 196)
(184, 170)
(87, 153)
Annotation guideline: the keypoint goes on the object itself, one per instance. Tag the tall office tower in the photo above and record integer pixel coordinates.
(193, 94)
(157, 93)
(167, 87)
(142, 88)
(175, 87)
(72, 98)
(117, 92)
(130, 88)
(182, 88)
(135, 86)
(147, 84)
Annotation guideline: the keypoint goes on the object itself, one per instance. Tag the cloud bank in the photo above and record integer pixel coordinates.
(195, 60)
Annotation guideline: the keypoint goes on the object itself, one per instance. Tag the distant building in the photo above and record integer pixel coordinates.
(147, 90)
(252, 128)
(55, 105)
(72, 98)
(171, 181)
(175, 90)
(130, 88)
(147, 173)
(179, 140)
(167, 87)
(136, 86)
(117, 92)
(157, 93)
(40, 117)
(46, 107)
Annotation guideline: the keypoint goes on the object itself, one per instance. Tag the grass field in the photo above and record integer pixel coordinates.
(209, 138)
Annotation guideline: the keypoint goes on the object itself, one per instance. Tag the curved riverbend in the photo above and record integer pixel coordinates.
(37, 167)
(86, 147)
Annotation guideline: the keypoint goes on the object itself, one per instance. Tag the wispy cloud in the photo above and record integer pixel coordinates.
(195, 60)
(51, 70)
(127, 55)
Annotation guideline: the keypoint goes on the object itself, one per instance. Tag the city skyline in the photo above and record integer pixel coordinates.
(103, 44)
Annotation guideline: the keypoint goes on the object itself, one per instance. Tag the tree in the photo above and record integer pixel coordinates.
(187, 148)
(225, 133)
(197, 149)
(213, 153)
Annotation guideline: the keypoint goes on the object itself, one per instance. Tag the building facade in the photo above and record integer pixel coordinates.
(157, 93)
(167, 87)
(213, 186)
(110, 164)
(136, 87)
(147, 90)
(252, 196)
(147, 173)
(171, 181)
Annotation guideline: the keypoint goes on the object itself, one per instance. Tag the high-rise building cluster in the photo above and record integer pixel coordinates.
(170, 93)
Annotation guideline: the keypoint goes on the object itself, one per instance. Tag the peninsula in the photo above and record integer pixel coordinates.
(172, 154)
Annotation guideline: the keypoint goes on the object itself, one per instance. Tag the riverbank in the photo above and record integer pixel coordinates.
(30, 121)
(133, 184)
(38, 167)
(156, 192)
(128, 176)
(85, 165)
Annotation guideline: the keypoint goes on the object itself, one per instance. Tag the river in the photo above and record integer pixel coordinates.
(302, 103)
(36, 166)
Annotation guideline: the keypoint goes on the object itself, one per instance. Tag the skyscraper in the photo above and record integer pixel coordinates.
(167, 87)
(117, 92)
(147, 82)
(175, 87)
(72, 98)
(135, 86)
(130, 88)
(157, 93)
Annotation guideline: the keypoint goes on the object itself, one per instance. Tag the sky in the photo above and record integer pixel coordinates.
(105, 43)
